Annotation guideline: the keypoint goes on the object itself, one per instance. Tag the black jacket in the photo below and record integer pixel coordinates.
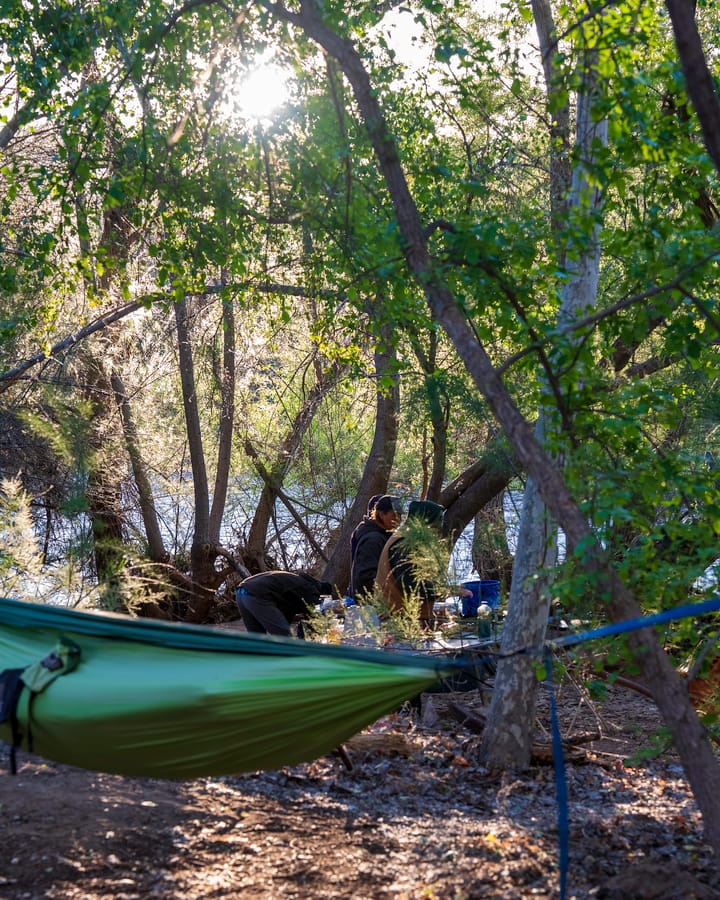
(371, 539)
(293, 593)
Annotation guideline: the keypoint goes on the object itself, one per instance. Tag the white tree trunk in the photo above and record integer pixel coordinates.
(507, 737)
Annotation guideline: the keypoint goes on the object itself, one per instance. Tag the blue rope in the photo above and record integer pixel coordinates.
(667, 615)
(560, 781)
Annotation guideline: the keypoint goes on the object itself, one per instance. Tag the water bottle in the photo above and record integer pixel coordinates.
(484, 616)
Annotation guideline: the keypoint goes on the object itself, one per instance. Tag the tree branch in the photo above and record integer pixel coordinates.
(9, 377)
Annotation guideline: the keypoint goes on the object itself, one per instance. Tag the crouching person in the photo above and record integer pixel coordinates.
(271, 601)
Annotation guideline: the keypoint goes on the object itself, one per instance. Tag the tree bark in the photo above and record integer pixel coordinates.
(439, 413)
(201, 596)
(472, 489)
(227, 420)
(376, 471)
(507, 740)
(274, 476)
(559, 123)
(104, 482)
(276, 492)
(156, 547)
(698, 79)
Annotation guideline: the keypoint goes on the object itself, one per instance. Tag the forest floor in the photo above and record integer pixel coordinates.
(415, 818)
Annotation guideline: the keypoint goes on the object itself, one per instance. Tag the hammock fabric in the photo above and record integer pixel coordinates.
(137, 697)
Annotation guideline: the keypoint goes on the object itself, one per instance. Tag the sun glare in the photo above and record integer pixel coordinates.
(257, 95)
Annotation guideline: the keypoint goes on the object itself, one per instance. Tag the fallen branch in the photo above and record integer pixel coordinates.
(473, 721)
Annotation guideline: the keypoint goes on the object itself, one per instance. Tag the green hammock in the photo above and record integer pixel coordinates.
(139, 697)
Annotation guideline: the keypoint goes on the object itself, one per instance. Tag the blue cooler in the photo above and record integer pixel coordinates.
(490, 593)
(483, 591)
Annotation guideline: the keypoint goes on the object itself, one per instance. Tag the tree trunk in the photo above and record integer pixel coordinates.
(227, 419)
(698, 78)
(559, 127)
(255, 551)
(201, 595)
(439, 414)
(378, 466)
(104, 482)
(507, 740)
(104, 498)
(473, 489)
(156, 548)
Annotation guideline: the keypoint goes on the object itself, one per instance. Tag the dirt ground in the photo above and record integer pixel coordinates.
(415, 818)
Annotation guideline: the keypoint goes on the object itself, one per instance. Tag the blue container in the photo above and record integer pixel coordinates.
(483, 591)
(490, 593)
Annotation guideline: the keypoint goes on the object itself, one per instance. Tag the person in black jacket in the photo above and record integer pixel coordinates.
(355, 536)
(370, 537)
(271, 601)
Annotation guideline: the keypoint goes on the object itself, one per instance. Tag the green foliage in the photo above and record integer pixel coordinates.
(19, 556)
(27, 576)
(24, 574)
(597, 689)
(399, 626)
(428, 552)
(660, 743)
(67, 430)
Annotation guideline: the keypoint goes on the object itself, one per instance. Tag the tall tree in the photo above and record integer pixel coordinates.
(378, 465)
(508, 737)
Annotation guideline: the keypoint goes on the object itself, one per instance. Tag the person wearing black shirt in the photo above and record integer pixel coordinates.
(271, 601)
(369, 539)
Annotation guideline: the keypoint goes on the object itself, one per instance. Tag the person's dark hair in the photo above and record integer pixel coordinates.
(372, 503)
(326, 587)
(387, 503)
